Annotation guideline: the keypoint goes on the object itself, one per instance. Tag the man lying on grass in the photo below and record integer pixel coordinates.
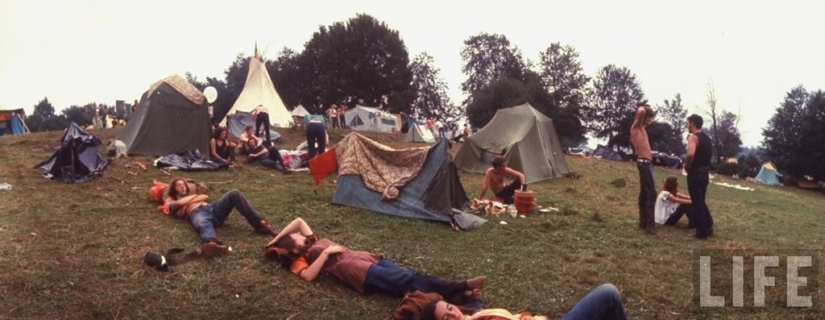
(205, 216)
(306, 256)
(603, 303)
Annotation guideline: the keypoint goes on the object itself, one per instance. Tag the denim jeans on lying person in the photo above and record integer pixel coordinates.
(388, 278)
(603, 303)
(206, 218)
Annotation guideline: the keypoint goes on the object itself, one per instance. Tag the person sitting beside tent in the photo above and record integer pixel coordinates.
(267, 157)
(494, 180)
(316, 133)
(222, 150)
(307, 256)
(261, 117)
(603, 303)
(205, 216)
(245, 137)
(672, 205)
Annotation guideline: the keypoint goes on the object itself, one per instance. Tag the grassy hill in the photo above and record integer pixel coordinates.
(75, 251)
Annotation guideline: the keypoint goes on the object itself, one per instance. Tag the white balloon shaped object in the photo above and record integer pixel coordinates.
(211, 94)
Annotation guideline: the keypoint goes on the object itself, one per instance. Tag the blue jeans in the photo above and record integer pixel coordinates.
(603, 303)
(316, 133)
(206, 218)
(387, 278)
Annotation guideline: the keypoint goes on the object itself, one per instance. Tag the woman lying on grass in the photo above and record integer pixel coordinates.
(603, 303)
(305, 255)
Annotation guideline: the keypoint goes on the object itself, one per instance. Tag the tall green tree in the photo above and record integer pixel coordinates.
(673, 113)
(224, 101)
(285, 75)
(488, 57)
(431, 99)
(612, 98)
(795, 132)
(727, 134)
(362, 61)
(44, 119)
(561, 72)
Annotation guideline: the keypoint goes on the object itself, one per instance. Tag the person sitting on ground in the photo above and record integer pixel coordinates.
(223, 151)
(260, 115)
(267, 157)
(307, 256)
(205, 216)
(603, 303)
(672, 205)
(245, 137)
(494, 180)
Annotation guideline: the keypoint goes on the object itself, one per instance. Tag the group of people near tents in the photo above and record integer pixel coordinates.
(173, 118)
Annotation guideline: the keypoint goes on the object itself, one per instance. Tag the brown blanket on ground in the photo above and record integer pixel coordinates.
(382, 168)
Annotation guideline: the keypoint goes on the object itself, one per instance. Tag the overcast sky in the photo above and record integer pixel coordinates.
(75, 52)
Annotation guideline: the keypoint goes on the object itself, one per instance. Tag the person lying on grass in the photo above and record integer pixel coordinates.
(603, 303)
(267, 157)
(306, 256)
(494, 180)
(672, 205)
(205, 216)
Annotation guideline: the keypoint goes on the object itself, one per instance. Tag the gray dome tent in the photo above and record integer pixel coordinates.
(77, 159)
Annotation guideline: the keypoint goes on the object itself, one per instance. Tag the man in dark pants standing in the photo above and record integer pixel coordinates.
(261, 117)
(697, 163)
(647, 193)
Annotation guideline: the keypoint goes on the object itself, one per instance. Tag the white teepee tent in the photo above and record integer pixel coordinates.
(259, 90)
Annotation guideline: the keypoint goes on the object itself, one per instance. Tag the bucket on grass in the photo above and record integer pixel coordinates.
(524, 201)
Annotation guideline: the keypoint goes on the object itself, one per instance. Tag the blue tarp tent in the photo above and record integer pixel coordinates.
(767, 175)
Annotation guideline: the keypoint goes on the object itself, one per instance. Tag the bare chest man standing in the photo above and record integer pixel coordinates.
(647, 192)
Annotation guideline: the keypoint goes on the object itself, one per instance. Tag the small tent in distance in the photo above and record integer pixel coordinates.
(526, 139)
(172, 117)
(363, 118)
(12, 122)
(768, 175)
(77, 159)
(419, 133)
(259, 90)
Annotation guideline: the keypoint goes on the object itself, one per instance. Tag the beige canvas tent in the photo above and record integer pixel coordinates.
(524, 136)
(259, 90)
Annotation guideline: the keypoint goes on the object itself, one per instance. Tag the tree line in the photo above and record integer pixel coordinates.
(364, 61)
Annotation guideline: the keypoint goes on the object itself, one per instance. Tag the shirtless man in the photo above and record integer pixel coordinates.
(647, 194)
(494, 180)
(205, 216)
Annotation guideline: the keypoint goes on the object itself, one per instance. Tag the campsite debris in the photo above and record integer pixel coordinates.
(165, 172)
(119, 180)
(142, 166)
(5, 186)
(503, 222)
(34, 234)
(522, 216)
(132, 173)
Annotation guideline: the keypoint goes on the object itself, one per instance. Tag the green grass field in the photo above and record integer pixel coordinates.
(75, 251)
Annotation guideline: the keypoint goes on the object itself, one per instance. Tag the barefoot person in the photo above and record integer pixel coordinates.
(697, 163)
(603, 303)
(494, 180)
(307, 256)
(647, 194)
(205, 216)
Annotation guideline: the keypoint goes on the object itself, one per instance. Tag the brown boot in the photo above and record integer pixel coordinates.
(264, 228)
(213, 250)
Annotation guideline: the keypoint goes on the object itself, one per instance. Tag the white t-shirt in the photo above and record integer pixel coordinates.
(664, 207)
